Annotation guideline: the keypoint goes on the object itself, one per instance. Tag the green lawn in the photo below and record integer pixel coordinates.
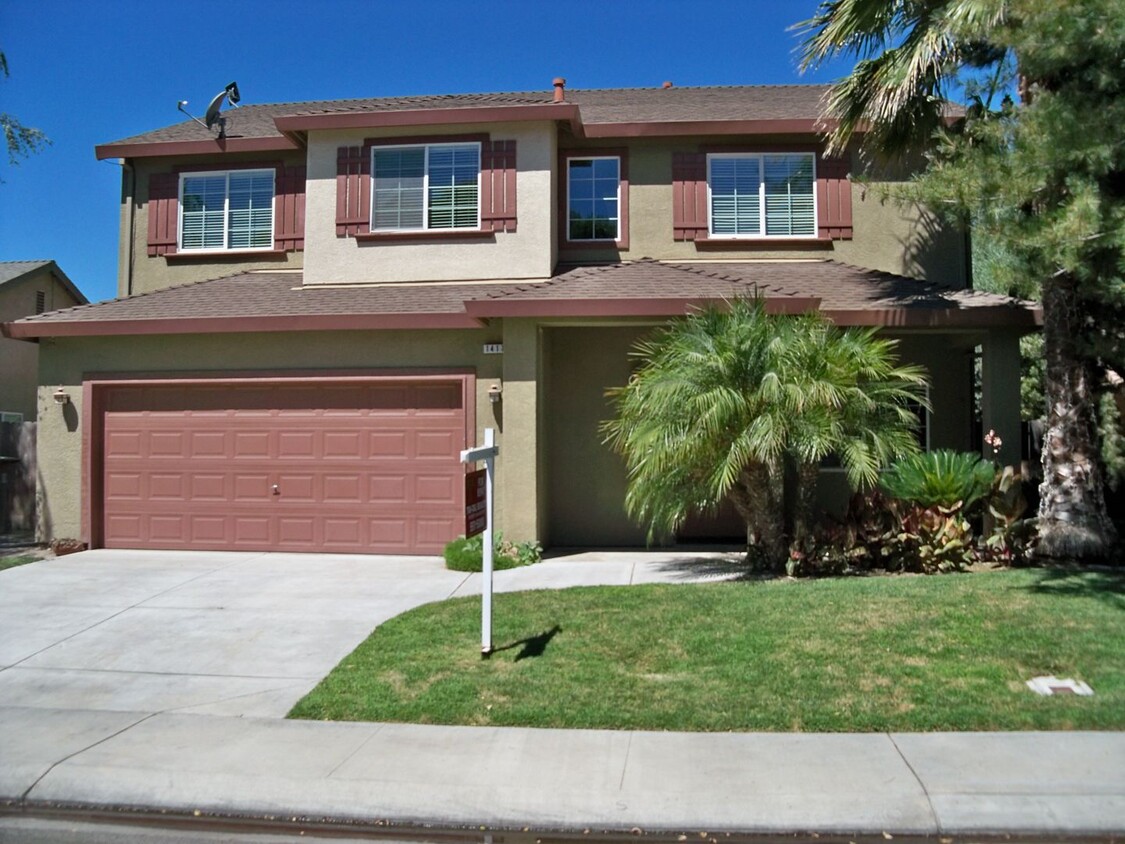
(17, 560)
(858, 654)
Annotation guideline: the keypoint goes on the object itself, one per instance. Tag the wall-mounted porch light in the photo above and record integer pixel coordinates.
(60, 396)
(494, 393)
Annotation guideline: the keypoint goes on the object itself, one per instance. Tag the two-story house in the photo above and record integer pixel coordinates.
(321, 307)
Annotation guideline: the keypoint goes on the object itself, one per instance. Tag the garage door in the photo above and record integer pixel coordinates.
(371, 467)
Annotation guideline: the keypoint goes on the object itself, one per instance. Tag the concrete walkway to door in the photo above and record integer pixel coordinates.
(153, 685)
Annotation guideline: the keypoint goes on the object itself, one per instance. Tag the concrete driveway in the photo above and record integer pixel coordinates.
(238, 634)
(215, 633)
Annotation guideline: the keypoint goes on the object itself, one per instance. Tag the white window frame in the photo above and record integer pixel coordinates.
(617, 235)
(226, 211)
(761, 158)
(425, 227)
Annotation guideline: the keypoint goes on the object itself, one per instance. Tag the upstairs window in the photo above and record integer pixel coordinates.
(419, 188)
(230, 210)
(768, 195)
(594, 198)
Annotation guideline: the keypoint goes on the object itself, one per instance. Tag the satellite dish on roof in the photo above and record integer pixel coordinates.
(212, 116)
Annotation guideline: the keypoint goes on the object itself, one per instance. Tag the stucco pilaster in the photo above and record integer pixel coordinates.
(1000, 394)
(518, 463)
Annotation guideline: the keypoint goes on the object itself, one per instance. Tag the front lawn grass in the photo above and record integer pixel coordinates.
(859, 654)
(18, 560)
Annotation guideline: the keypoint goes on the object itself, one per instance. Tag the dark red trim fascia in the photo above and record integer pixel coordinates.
(997, 316)
(678, 128)
(429, 117)
(160, 148)
(240, 324)
(634, 307)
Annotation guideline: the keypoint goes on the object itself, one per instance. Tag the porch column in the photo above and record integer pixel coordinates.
(517, 465)
(1000, 394)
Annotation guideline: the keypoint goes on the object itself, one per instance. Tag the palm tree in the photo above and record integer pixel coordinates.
(909, 54)
(724, 396)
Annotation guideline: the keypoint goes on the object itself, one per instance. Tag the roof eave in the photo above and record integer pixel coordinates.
(27, 330)
(153, 149)
(1027, 319)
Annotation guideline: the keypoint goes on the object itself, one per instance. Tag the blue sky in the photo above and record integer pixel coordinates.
(91, 72)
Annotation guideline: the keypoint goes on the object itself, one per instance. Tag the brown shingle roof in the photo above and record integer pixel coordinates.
(273, 301)
(597, 106)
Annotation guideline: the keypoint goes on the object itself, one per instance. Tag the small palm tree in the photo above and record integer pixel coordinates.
(725, 396)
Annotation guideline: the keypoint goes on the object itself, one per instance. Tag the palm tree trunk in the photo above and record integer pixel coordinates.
(807, 476)
(1072, 515)
(758, 498)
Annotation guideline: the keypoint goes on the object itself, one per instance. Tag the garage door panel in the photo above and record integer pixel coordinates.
(345, 489)
(251, 530)
(168, 527)
(297, 487)
(296, 444)
(359, 466)
(208, 529)
(434, 444)
(343, 445)
(166, 486)
(296, 530)
(210, 487)
(436, 489)
(388, 443)
(252, 443)
(250, 488)
(123, 485)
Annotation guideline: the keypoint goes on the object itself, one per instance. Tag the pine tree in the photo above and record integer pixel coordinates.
(1044, 174)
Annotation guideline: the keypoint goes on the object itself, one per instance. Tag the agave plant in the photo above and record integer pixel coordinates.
(944, 478)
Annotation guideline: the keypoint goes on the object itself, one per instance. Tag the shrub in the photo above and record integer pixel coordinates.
(468, 554)
(1012, 535)
(892, 535)
(946, 479)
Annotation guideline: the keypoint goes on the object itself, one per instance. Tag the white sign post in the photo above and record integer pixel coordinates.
(487, 453)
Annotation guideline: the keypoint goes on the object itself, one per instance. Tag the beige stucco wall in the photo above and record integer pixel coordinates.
(584, 480)
(67, 362)
(887, 236)
(158, 272)
(525, 253)
(19, 359)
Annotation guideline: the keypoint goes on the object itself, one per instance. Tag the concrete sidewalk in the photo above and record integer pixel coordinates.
(147, 747)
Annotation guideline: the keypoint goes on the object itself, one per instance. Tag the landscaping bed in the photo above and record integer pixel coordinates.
(903, 653)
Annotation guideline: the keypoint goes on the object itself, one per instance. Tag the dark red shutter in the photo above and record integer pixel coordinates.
(163, 213)
(833, 199)
(498, 186)
(353, 191)
(289, 209)
(689, 196)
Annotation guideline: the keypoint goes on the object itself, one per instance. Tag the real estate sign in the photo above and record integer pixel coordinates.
(476, 502)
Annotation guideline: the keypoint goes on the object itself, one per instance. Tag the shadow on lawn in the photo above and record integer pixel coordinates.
(730, 569)
(1105, 585)
(533, 645)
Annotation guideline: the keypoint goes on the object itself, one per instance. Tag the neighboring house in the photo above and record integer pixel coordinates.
(322, 307)
(26, 288)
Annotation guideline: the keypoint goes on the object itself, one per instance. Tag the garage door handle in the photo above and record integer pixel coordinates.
(276, 489)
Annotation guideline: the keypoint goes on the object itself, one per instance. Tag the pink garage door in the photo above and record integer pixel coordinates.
(368, 467)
